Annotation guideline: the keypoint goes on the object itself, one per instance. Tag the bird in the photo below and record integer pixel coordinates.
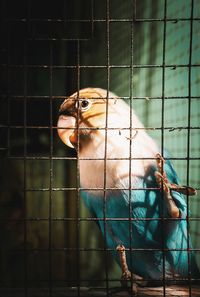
(130, 187)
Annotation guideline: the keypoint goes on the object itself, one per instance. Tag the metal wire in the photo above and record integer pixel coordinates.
(173, 20)
(25, 168)
(106, 141)
(78, 177)
(162, 141)
(50, 173)
(188, 144)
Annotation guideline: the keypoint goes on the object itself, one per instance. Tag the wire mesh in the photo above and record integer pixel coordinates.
(147, 52)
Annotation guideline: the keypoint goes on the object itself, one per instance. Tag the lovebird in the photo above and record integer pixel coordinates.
(126, 180)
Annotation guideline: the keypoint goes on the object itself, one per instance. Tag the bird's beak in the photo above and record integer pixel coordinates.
(66, 126)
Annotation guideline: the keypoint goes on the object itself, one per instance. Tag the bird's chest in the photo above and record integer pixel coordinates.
(94, 174)
(98, 174)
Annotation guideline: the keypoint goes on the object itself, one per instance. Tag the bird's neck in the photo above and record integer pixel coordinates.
(117, 144)
(115, 157)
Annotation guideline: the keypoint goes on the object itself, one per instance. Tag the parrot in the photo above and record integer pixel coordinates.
(130, 187)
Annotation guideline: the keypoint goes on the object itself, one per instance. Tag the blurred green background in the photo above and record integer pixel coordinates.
(40, 55)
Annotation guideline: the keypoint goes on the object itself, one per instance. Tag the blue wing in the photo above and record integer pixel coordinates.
(150, 229)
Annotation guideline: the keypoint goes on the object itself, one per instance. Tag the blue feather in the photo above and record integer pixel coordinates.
(153, 233)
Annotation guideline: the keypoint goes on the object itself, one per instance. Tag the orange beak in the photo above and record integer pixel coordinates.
(66, 126)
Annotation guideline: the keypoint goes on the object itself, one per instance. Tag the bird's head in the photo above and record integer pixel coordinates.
(81, 115)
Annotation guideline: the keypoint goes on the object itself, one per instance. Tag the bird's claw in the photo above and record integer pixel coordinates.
(166, 186)
(160, 161)
(126, 274)
(162, 179)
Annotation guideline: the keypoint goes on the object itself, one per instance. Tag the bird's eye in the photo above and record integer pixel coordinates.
(83, 104)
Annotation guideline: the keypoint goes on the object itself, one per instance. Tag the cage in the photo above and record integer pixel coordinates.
(147, 52)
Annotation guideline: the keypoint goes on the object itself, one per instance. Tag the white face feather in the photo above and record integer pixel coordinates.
(118, 144)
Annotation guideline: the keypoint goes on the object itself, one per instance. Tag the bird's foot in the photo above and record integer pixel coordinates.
(166, 186)
(186, 190)
(126, 274)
